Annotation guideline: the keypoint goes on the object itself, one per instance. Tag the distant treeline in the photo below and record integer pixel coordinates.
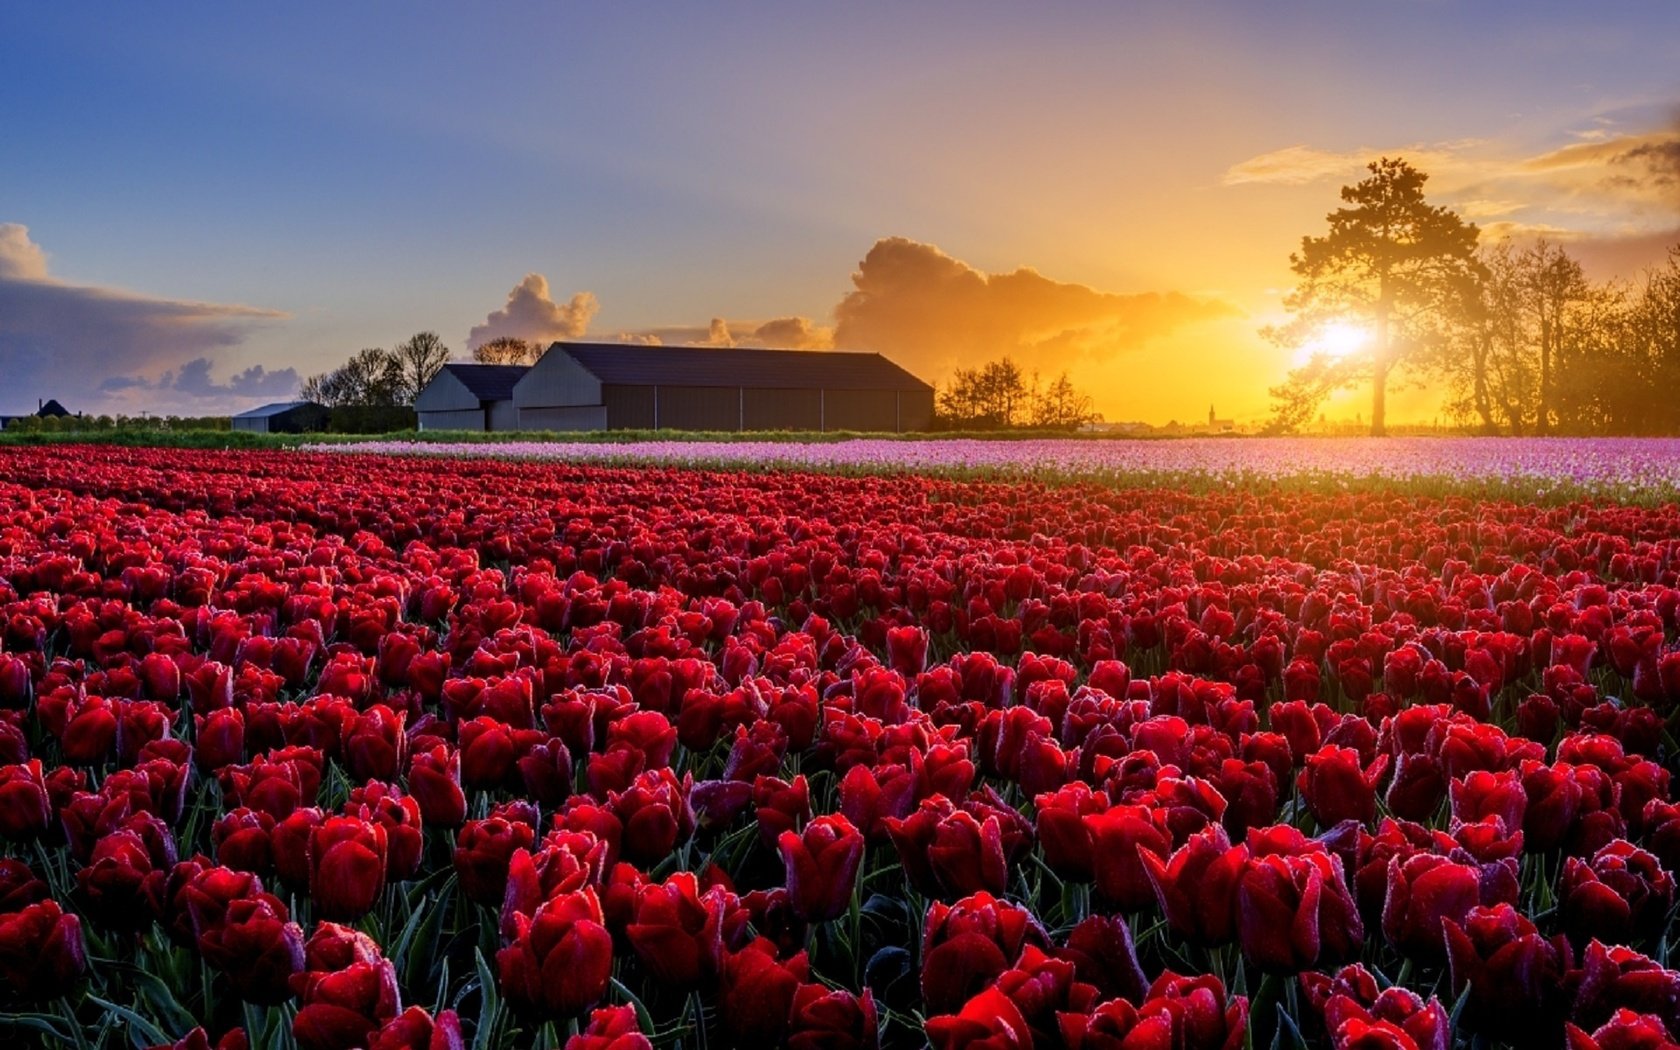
(341, 419)
(999, 396)
(104, 424)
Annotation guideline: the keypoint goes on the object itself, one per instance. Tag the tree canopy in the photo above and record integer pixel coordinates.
(1391, 262)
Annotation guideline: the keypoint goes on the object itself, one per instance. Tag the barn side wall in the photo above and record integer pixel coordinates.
(564, 418)
(463, 419)
(445, 393)
(556, 380)
(504, 416)
(782, 409)
(628, 407)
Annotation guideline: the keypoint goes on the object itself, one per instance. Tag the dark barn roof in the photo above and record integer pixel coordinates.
(277, 408)
(634, 365)
(488, 382)
(52, 408)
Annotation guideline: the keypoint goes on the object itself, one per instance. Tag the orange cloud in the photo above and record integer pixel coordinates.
(931, 312)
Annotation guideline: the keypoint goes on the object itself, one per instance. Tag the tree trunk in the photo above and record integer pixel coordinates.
(1379, 385)
(1484, 406)
(1543, 424)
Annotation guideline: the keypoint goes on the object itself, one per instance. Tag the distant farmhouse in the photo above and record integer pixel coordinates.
(283, 417)
(617, 386)
(49, 409)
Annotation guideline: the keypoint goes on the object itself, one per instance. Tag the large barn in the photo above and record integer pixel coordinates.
(470, 397)
(618, 386)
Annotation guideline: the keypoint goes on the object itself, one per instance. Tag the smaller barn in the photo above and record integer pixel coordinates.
(283, 417)
(470, 397)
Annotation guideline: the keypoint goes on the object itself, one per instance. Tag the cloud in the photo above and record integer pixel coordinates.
(194, 378)
(59, 339)
(718, 334)
(20, 258)
(531, 314)
(1299, 165)
(931, 312)
(795, 333)
(1617, 182)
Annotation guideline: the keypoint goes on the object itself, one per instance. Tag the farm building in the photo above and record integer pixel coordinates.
(470, 397)
(49, 409)
(283, 417)
(615, 386)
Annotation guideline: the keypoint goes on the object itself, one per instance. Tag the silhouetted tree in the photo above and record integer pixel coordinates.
(1391, 260)
(372, 377)
(507, 350)
(1061, 406)
(419, 358)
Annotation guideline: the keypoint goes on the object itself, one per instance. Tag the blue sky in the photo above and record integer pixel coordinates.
(372, 170)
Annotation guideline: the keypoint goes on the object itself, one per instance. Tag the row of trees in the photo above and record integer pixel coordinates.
(999, 396)
(1518, 339)
(380, 378)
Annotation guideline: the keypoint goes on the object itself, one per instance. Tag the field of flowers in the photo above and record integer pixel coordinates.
(1619, 468)
(408, 753)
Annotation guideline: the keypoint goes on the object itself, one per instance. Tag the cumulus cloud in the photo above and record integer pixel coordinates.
(718, 333)
(794, 333)
(60, 340)
(20, 258)
(930, 312)
(532, 314)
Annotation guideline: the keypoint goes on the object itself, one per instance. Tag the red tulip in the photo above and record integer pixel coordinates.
(1425, 889)
(677, 931)
(968, 944)
(434, 781)
(757, 992)
(483, 849)
(1196, 886)
(1514, 976)
(41, 953)
(415, 1029)
(1621, 896)
(824, 1018)
(611, 1028)
(1294, 912)
(346, 866)
(560, 958)
(822, 865)
(25, 809)
(255, 945)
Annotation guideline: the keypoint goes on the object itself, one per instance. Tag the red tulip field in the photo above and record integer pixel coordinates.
(329, 751)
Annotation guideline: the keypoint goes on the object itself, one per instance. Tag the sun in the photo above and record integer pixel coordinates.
(1334, 340)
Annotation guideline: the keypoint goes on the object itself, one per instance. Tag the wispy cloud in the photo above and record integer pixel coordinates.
(1608, 181)
(62, 340)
